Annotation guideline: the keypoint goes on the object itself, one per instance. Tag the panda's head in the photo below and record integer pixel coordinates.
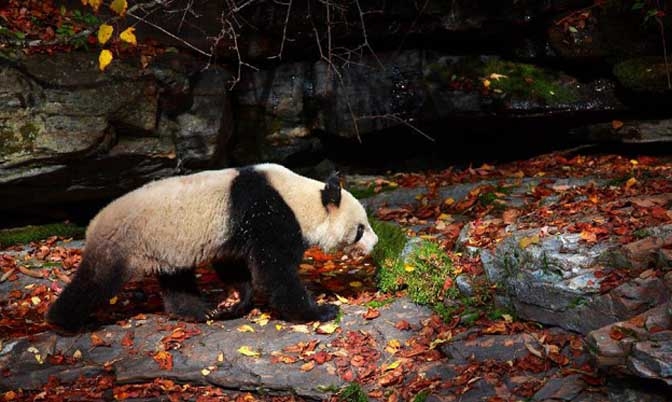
(347, 226)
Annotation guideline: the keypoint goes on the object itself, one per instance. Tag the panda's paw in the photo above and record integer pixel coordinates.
(327, 312)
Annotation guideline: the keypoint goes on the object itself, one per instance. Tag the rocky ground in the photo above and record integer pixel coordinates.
(559, 289)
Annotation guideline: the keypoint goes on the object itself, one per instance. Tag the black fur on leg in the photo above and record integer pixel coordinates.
(268, 235)
(93, 285)
(181, 298)
(235, 273)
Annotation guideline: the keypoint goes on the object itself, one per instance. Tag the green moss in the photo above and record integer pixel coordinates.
(518, 80)
(421, 396)
(429, 267)
(361, 192)
(387, 253)
(353, 393)
(528, 81)
(645, 73)
(27, 234)
(379, 303)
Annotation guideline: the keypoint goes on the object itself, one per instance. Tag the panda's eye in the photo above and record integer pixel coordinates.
(360, 232)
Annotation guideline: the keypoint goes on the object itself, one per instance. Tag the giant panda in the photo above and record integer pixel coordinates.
(252, 223)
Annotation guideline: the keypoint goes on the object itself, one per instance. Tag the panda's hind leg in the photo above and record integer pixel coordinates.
(181, 297)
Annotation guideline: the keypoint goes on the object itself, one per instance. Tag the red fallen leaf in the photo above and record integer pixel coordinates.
(55, 360)
(510, 215)
(616, 333)
(96, 340)
(358, 361)
(164, 359)
(655, 329)
(348, 375)
(658, 213)
(391, 377)
(616, 124)
(321, 357)
(127, 340)
(371, 313)
(402, 325)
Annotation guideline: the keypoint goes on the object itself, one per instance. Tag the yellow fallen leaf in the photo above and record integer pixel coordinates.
(526, 241)
(486, 83)
(278, 327)
(308, 366)
(439, 341)
(220, 357)
(247, 351)
(497, 77)
(393, 346)
(128, 36)
(342, 299)
(35, 300)
(114, 300)
(393, 365)
(302, 328)
(449, 201)
(104, 59)
(356, 284)
(119, 6)
(507, 318)
(262, 319)
(631, 182)
(327, 328)
(77, 355)
(245, 328)
(205, 372)
(104, 33)
(409, 268)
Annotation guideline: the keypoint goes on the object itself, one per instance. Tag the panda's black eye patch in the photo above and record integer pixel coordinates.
(360, 232)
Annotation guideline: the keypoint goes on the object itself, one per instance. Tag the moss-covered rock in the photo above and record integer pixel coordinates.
(26, 234)
(643, 74)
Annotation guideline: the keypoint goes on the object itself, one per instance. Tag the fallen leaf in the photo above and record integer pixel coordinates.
(96, 340)
(371, 313)
(205, 372)
(526, 241)
(616, 124)
(245, 328)
(249, 352)
(402, 325)
(392, 365)
(327, 328)
(308, 366)
(164, 359)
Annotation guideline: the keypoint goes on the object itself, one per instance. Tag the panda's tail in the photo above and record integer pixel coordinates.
(94, 283)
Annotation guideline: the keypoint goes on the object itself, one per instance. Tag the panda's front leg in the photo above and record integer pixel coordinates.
(274, 273)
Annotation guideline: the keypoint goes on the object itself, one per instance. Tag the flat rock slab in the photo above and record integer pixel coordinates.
(210, 354)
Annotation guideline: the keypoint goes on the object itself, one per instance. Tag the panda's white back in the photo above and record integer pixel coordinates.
(172, 223)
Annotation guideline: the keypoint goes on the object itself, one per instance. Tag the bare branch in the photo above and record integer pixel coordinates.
(395, 117)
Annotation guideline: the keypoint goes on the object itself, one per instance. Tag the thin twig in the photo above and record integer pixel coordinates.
(395, 117)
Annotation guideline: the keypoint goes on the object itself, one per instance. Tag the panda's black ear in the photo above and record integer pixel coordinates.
(331, 194)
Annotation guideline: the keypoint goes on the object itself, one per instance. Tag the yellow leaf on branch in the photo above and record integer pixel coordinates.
(104, 59)
(95, 4)
(128, 36)
(119, 6)
(104, 33)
